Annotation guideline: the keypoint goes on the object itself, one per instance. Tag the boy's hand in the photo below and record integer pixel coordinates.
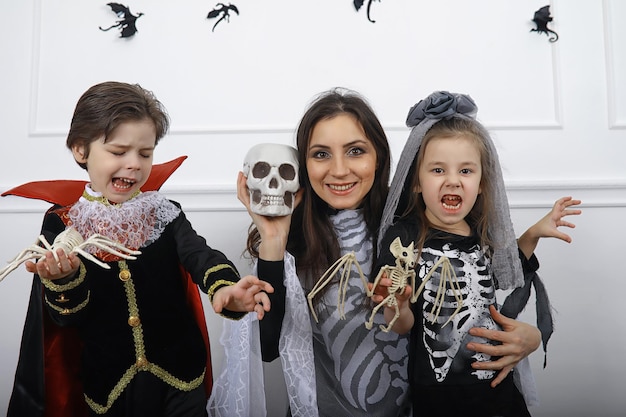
(248, 294)
(49, 268)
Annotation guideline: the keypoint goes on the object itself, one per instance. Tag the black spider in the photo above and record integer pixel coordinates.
(224, 11)
(127, 22)
(541, 19)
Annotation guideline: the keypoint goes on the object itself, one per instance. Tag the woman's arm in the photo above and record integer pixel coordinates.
(274, 232)
(518, 340)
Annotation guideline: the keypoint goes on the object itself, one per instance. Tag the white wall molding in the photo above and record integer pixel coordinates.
(522, 195)
(45, 98)
(614, 74)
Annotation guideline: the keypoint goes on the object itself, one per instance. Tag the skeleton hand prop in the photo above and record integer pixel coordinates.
(70, 241)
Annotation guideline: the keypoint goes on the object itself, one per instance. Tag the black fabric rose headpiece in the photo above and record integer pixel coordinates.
(438, 106)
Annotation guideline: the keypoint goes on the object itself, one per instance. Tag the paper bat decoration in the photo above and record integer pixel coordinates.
(223, 12)
(359, 3)
(541, 19)
(126, 22)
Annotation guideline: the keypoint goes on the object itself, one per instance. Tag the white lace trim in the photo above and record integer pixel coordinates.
(296, 346)
(135, 223)
(239, 390)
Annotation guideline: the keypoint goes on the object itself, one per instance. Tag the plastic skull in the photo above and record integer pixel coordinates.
(272, 178)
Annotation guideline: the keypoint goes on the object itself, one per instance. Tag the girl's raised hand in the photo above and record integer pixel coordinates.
(549, 224)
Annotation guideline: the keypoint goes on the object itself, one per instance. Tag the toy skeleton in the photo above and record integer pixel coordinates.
(71, 242)
(401, 274)
(346, 261)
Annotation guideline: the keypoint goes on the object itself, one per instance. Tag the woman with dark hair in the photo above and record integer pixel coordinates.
(334, 366)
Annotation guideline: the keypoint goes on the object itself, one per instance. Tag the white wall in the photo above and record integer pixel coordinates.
(557, 112)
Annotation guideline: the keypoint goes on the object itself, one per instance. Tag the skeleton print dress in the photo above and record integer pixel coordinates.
(359, 372)
(442, 379)
(334, 367)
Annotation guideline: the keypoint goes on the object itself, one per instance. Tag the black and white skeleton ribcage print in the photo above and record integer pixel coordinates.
(446, 344)
(366, 368)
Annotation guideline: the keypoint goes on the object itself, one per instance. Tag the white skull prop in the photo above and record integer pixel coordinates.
(272, 178)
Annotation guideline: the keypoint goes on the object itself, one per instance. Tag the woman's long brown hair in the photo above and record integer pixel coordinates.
(312, 240)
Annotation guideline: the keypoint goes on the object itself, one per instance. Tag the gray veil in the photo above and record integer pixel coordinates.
(440, 105)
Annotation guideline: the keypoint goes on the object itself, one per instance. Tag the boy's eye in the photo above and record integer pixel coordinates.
(144, 155)
(117, 153)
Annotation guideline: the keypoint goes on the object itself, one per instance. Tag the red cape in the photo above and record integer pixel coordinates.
(61, 346)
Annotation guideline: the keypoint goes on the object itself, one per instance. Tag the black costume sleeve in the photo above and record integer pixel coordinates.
(271, 325)
(209, 268)
(66, 299)
(205, 264)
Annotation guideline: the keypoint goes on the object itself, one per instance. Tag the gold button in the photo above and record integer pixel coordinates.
(65, 312)
(62, 299)
(141, 362)
(124, 275)
(133, 321)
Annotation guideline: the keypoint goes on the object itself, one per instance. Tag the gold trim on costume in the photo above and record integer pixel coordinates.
(101, 199)
(67, 311)
(128, 376)
(216, 286)
(49, 284)
(217, 268)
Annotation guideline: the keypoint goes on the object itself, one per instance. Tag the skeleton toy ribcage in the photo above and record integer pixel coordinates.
(445, 344)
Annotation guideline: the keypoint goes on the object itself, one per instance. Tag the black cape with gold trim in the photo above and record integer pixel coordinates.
(47, 382)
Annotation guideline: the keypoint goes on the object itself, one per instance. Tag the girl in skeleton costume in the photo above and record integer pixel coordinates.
(334, 366)
(449, 193)
(142, 352)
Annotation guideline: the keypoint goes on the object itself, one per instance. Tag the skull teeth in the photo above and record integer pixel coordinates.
(272, 200)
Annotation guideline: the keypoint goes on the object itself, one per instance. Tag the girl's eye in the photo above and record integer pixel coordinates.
(117, 153)
(466, 171)
(437, 170)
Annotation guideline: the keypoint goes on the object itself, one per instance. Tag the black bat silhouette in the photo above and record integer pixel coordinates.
(359, 3)
(224, 11)
(541, 19)
(127, 22)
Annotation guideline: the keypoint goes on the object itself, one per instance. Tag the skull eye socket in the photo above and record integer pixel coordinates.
(287, 172)
(261, 170)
